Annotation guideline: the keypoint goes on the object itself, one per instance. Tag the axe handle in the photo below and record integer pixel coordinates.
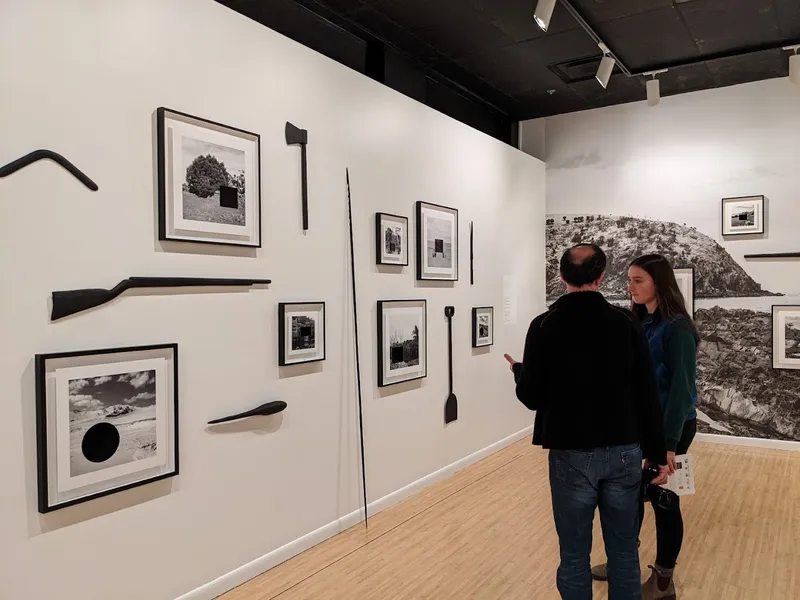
(304, 176)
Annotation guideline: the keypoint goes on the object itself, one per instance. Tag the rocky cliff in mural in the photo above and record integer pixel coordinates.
(717, 274)
(739, 393)
(738, 389)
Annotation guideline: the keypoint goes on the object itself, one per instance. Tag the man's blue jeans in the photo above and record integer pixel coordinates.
(608, 479)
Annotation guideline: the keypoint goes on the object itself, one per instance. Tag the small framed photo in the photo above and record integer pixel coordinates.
(786, 337)
(209, 181)
(301, 332)
(685, 279)
(106, 421)
(391, 239)
(743, 216)
(437, 242)
(402, 341)
(482, 326)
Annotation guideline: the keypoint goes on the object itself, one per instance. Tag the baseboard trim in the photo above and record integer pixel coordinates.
(731, 440)
(262, 564)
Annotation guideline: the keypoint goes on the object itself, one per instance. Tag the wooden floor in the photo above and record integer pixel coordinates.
(487, 534)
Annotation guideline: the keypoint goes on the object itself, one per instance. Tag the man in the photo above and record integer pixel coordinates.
(588, 374)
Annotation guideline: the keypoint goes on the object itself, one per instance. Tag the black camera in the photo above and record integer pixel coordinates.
(657, 495)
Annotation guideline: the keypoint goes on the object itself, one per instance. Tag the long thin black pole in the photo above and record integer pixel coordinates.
(358, 362)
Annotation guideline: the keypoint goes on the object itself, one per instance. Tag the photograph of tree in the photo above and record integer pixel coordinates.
(112, 420)
(393, 240)
(214, 183)
(403, 341)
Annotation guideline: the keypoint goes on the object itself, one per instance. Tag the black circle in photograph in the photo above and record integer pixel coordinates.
(100, 442)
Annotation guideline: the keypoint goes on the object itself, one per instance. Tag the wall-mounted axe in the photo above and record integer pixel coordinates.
(295, 135)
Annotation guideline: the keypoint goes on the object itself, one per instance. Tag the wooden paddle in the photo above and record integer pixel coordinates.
(451, 406)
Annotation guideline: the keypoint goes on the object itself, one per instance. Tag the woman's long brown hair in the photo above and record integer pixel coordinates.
(671, 303)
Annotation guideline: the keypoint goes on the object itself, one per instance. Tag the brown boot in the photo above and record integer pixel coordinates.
(660, 585)
(600, 572)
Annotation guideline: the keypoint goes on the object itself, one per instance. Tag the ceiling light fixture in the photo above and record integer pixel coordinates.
(606, 66)
(653, 88)
(794, 64)
(543, 13)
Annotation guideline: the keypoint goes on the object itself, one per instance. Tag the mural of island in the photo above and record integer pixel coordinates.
(739, 393)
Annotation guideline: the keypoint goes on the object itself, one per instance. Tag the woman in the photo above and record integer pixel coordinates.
(660, 306)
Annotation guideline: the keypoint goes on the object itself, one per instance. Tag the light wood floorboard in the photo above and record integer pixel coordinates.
(487, 533)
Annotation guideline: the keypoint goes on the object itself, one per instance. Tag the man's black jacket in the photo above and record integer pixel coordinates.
(588, 373)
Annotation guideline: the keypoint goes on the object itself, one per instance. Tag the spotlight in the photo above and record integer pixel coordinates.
(653, 88)
(794, 64)
(606, 66)
(543, 13)
(653, 92)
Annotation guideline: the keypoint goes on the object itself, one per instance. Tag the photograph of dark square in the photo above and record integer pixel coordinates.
(743, 216)
(403, 341)
(303, 333)
(112, 420)
(214, 183)
(439, 242)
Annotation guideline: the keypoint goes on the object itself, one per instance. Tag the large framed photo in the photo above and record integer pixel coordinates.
(209, 181)
(743, 216)
(685, 279)
(301, 332)
(391, 239)
(482, 326)
(106, 421)
(402, 341)
(786, 337)
(437, 242)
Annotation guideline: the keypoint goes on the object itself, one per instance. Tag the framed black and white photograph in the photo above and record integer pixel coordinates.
(106, 421)
(437, 242)
(685, 279)
(482, 326)
(301, 332)
(209, 181)
(391, 239)
(786, 337)
(402, 341)
(743, 216)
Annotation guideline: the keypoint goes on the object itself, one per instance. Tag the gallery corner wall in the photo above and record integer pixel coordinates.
(85, 79)
(639, 179)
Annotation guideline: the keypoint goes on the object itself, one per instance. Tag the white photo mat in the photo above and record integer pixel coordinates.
(387, 220)
(64, 489)
(415, 310)
(779, 321)
(176, 127)
(734, 206)
(685, 279)
(313, 310)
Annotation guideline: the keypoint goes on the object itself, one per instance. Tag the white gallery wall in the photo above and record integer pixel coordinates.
(669, 167)
(84, 78)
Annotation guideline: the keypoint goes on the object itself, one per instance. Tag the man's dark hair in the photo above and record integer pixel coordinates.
(584, 266)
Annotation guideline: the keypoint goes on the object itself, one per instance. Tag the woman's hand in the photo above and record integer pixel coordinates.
(511, 361)
(671, 462)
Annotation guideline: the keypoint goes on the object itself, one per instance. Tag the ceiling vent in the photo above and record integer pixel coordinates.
(573, 71)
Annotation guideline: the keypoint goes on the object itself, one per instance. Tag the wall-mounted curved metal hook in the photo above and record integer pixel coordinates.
(23, 162)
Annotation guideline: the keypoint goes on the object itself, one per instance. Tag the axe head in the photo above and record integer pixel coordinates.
(295, 135)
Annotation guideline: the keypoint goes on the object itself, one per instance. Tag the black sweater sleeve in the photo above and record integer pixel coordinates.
(528, 374)
(654, 445)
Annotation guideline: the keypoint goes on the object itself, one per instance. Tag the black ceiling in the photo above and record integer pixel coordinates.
(487, 63)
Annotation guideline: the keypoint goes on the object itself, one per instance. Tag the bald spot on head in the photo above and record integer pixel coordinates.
(580, 254)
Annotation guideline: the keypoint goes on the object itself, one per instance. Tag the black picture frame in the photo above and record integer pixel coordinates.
(164, 217)
(777, 354)
(691, 302)
(475, 331)
(384, 378)
(379, 240)
(726, 232)
(46, 470)
(284, 354)
(421, 249)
